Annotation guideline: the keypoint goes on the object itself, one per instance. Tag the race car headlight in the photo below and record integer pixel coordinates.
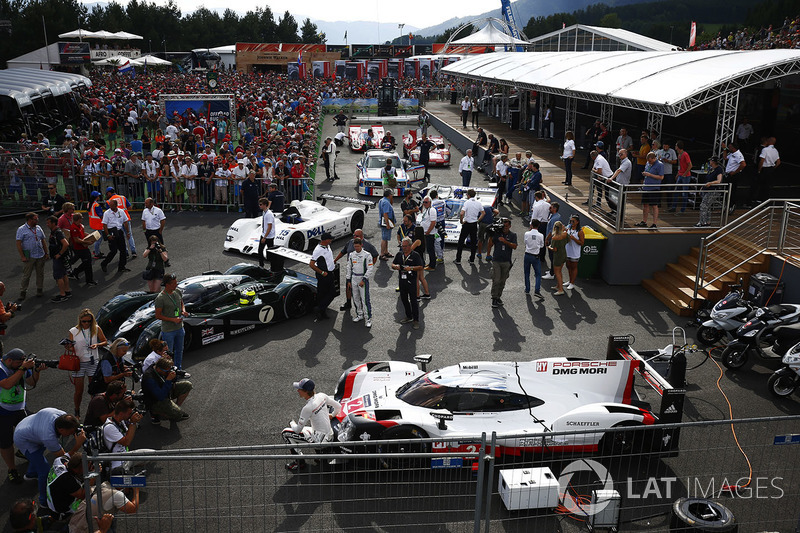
(346, 429)
(228, 238)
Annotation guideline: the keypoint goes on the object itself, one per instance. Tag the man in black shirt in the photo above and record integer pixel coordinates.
(341, 121)
(101, 406)
(251, 191)
(425, 147)
(409, 264)
(408, 205)
(65, 484)
(276, 199)
(53, 203)
(504, 244)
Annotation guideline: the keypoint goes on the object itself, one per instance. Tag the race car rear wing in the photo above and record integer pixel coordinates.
(368, 204)
(672, 397)
(277, 255)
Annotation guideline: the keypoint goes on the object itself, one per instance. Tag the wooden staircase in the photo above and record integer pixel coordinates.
(674, 286)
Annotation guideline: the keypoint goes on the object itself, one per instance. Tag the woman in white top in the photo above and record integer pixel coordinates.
(568, 156)
(574, 246)
(88, 338)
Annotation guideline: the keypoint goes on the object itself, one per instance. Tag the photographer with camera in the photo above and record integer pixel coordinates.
(101, 406)
(119, 430)
(157, 259)
(165, 390)
(6, 312)
(42, 431)
(112, 367)
(16, 371)
(505, 242)
(158, 349)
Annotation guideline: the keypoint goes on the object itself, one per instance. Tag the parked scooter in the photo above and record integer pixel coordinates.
(786, 379)
(727, 316)
(758, 334)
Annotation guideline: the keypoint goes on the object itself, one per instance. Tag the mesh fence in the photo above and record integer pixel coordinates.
(749, 466)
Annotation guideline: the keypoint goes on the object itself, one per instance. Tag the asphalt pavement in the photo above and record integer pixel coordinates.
(243, 387)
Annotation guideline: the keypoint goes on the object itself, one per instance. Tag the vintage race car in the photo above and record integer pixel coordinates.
(533, 406)
(439, 156)
(299, 226)
(369, 173)
(359, 135)
(454, 197)
(220, 306)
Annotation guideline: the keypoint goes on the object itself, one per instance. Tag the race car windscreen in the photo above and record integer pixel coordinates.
(196, 293)
(423, 392)
(378, 161)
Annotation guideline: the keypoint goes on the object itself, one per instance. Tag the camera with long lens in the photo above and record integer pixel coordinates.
(49, 363)
(495, 227)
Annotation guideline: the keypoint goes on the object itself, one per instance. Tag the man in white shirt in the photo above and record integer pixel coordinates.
(623, 174)
(188, 175)
(465, 106)
(239, 174)
(734, 166)
(534, 244)
(465, 168)
(501, 171)
(172, 132)
(768, 163)
(600, 170)
(471, 213)
(541, 212)
(267, 229)
(116, 231)
(428, 225)
(153, 221)
(221, 176)
(317, 414)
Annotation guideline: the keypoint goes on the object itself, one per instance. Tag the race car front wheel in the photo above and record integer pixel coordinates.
(394, 454)
(616, 443)
(298, 301)
(357, 222)
(297, 242)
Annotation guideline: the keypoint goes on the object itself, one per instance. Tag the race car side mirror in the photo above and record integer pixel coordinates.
(442, 418)
(423, 361)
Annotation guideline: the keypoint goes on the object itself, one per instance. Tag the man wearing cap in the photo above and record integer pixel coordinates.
(317, 414)
(116, 229)
(170, 310)
(322, 264)
(238, 174)
(153, 221)
(16, 375)
(504, 244)
(124, 205)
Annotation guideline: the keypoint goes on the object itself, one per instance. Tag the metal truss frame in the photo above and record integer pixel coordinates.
(726, 121)
(607, 116)
(655, 122)
(572, 111)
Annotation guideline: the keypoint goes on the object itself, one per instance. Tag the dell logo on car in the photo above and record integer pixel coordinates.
(319, 230)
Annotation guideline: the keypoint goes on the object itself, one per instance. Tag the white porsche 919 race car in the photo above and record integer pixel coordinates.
(300, 225)
(532, 406)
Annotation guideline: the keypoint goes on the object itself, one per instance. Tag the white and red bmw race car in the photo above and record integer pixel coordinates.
(439, 156)
(536, 406)
(360, 134)
(368, 174)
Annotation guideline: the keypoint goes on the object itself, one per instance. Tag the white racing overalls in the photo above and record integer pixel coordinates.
(359, 267)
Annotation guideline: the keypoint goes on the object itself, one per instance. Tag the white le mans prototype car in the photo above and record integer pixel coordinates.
(536, 406)
(359, 137)
(300, 225)
(454, 198)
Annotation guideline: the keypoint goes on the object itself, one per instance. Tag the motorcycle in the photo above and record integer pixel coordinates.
(758, 334)
(786, 379)
(727, 316)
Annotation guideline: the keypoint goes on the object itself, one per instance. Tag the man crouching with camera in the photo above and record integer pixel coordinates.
(119, 430)
(165, 390)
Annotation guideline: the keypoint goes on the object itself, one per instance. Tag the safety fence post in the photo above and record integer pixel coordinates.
(489, 458)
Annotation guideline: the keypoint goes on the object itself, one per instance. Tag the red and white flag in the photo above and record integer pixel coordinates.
(693, 34)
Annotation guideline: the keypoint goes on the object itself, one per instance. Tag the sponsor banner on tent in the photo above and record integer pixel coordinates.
(361, 51)
(321, 69)
(377, 69)
(97, 55)
(71, 53)
(212, 110)
(395, 68)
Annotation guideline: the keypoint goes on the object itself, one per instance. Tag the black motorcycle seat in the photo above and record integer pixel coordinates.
(787, 332)
(781, 309)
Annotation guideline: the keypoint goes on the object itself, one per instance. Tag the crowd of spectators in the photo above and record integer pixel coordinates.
(787, 36)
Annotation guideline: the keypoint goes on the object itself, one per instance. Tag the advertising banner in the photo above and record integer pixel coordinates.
(72, 53)
(334, 105)
(361, 51)
(411, 68)
(395, 68)
(97, 55)
(377, 69)
(354, 70)
(212, 109)
(321, 69)
(339, 68)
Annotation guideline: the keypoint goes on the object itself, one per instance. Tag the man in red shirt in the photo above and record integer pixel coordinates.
(80, 247)
(684, 177)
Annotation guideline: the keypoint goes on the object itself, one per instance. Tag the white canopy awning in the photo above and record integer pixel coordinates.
(486, 36)
(125, 36)
(77, 34)
(670, 83)
(152, 60)
(103, 34)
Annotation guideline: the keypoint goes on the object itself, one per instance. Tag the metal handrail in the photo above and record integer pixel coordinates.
(768, 226)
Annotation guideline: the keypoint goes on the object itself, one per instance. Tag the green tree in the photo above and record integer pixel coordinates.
(309, 33)
(286, 30)
(611, 20)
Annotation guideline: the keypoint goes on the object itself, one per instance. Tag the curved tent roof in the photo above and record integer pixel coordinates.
(580, 38)
(670, 83)
(43, 76)
(488, 35)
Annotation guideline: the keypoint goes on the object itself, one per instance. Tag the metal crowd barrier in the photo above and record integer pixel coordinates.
(750, 466)
(680, 205)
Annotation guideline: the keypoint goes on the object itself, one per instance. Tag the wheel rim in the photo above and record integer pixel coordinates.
(784, 385)
(297, 303)
(296, 242)
(709, 335)
(735, 358)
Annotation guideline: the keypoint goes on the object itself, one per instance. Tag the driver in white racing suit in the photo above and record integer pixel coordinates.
(316, 413)
(358, 272)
